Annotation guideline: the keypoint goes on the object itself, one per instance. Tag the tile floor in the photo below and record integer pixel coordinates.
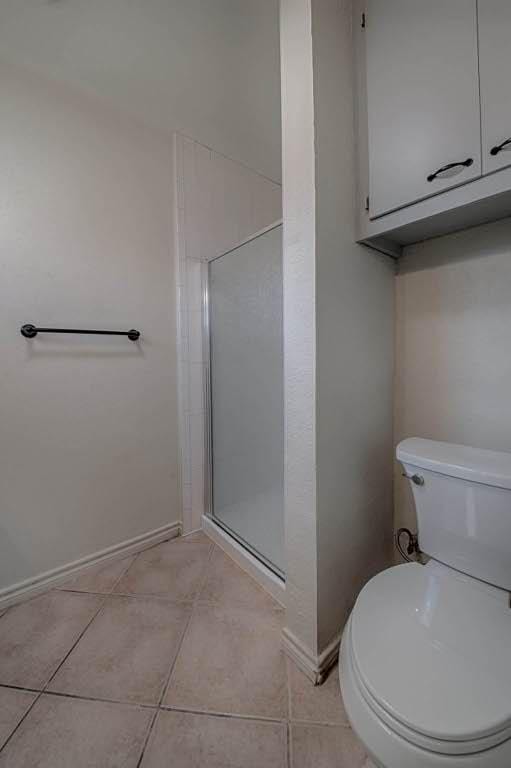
(168, 658)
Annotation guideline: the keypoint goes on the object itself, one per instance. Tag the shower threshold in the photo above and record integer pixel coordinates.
(265, 573)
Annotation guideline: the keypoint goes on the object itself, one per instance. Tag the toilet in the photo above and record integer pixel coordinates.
(425, 664)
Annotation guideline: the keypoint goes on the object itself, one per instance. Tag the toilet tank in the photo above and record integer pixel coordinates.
(463, 500)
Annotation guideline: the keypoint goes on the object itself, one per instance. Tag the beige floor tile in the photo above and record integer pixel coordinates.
(228, 585)
(127, 652)
(315, 703)
(35, 636)
(194, 538)
(173, 570)
(13, 705)
(324, 746)
(100, 578)
(231, 661)
(61, 732)
(199, 741)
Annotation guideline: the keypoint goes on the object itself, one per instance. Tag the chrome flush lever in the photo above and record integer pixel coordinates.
(416, 479)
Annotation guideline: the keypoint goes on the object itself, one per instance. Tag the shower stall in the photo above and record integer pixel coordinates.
(243, 333)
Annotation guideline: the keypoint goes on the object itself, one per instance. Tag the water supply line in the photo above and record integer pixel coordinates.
(412, 547)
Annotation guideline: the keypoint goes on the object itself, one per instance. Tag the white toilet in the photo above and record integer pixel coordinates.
(426, 655)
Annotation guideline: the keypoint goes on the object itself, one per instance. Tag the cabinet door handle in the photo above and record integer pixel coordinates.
(495, 150)
(466, 163)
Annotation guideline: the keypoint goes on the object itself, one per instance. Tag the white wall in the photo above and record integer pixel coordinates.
(299, 195)
(88, 455)
(355, 345)
(207, 68)
(453, 373)
(219, 203)
(339, 301)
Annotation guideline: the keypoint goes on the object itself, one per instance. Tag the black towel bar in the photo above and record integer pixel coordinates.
(30, 331)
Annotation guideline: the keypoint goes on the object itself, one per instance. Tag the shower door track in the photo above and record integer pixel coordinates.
(258, 556)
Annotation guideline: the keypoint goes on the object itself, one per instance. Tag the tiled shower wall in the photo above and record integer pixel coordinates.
(219, 203)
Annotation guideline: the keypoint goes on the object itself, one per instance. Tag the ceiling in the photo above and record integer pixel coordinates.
(209, 68)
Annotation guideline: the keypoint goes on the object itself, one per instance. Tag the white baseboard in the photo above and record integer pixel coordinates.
(315, 667)
(44, 581)
(328, 657)
(257, 570)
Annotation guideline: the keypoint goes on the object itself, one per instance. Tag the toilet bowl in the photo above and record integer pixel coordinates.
(425, 665)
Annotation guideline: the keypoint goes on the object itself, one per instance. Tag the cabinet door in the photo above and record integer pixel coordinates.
(495, 71)
(422, 99)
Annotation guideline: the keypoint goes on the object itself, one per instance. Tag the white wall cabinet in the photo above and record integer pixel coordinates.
(495, 72)
(434, 98)
(422, 99)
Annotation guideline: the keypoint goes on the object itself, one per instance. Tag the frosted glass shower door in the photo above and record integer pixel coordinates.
(247, 397)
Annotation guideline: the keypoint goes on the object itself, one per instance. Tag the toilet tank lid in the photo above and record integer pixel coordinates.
(473, 464)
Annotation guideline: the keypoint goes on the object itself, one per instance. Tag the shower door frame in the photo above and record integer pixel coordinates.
(208, 409)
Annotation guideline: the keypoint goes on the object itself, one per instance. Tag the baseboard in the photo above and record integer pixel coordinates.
(328, 657)
(259, 572)
(44, 581)
(315, 667)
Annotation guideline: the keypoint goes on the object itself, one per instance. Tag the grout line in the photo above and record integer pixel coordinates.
(63, 588)
(6, 742)
(205, 575)
(166, 682)
(160, 598)
(184, 710)
(52, 676)
(289, 710)
(319, 724)
(147, 738)
(134, 596)
(82, 697)
(191, 603)
(136, 557)
(82, 592)
(125, 571)
(225, 715)
(185, 629)
(165, 708)
(287, 663)
(172, 708)
(20, 688)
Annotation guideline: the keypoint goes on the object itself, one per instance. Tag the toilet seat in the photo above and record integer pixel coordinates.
(440, 746)
(429, 651)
